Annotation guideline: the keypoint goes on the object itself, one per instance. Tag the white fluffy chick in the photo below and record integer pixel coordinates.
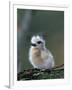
(39, 56)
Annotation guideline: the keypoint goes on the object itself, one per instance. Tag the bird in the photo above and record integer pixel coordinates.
(39, 56)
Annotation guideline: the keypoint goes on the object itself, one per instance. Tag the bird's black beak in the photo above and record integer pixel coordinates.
(32, 44)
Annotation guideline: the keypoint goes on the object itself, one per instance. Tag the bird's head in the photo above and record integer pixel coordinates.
(37, 42)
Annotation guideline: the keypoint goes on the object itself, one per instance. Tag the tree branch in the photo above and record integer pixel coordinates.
(33, 74)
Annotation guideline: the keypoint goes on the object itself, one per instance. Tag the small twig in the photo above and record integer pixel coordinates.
(58, 66)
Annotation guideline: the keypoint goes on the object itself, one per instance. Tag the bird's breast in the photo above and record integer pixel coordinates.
(44, 55)
(36, 56)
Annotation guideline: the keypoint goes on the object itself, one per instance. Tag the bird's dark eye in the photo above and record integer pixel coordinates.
(39, 42)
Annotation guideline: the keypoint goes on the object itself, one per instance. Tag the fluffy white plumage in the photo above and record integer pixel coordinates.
(39, 56)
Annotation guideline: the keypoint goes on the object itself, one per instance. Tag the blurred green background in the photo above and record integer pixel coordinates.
(49, 24)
